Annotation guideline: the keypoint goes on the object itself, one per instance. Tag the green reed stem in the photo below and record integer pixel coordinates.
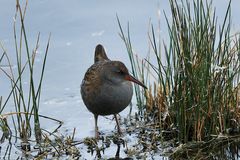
(199, 70)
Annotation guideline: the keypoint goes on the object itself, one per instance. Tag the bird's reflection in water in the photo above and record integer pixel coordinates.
(107, 142)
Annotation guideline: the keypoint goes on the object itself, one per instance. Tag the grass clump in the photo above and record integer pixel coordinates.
(196, 94)
(26, 101)
(21, 126)
(205, 72)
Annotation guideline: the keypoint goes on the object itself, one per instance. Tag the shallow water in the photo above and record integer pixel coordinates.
(76, 27)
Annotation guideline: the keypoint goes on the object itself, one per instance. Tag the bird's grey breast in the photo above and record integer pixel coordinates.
(119, 95)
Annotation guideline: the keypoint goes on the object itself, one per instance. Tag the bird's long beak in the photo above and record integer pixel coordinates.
(131, 78)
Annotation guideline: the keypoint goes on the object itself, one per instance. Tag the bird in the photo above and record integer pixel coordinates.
(106, 88)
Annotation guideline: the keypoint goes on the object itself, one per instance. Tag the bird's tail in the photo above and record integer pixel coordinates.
(100, 54)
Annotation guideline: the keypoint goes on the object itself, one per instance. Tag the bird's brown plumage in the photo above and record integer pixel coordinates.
(106, 88)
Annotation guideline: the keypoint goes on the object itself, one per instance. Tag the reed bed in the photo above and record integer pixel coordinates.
(22, 126)
(196, 94)
(26, 101)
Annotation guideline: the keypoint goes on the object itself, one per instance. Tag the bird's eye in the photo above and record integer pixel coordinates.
(120, 72)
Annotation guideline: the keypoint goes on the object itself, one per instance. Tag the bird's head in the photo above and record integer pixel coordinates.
(116, 72)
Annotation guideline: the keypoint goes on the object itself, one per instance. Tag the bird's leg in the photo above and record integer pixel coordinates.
(118, 126)
(96, 126)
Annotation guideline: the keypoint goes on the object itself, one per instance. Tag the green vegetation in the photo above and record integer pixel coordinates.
(23, 125)
(196, 94)
(25, 108)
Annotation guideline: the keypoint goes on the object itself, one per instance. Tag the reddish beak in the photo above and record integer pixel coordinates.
(131, 78)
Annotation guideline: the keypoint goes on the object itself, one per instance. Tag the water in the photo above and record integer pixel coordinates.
(77, 26)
